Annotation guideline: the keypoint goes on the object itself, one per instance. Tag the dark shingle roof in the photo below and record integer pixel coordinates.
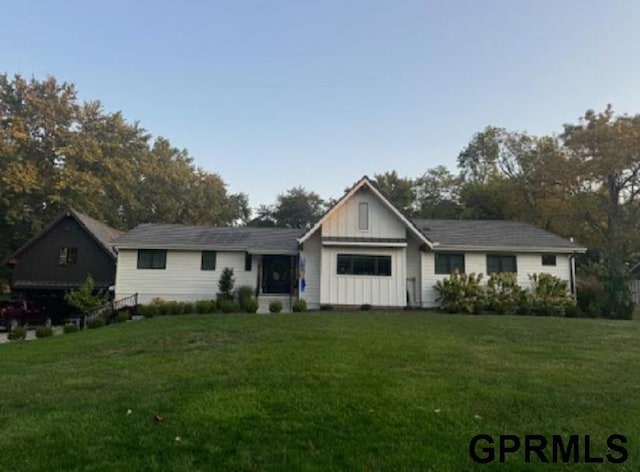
(491, 233)
(103, 233)
(173, 236)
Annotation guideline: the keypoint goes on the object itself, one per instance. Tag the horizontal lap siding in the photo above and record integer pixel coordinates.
(477, 263)
(363, 289)
(182, 279)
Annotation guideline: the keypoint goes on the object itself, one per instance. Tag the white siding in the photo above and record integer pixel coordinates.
(182, 279)
(383, 223)
(360, 289)
(476, 262)
(414, 267)
(311, 255)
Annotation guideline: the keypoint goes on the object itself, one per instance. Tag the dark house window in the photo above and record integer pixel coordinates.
(501, 263)
(152, 259)
(449, 263)
(208, 260)
(247, 261)
(363, 216)
(548, 259)
(356, 264)
(67, 256)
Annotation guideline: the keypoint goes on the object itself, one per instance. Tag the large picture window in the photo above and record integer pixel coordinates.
(497, 263)
(152, 259)
(448, 263)
(357, 264)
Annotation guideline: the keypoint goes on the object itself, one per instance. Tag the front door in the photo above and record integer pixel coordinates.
(277, 274)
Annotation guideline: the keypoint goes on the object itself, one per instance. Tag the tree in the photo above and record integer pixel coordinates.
(398, 190)
(296, 208)
(437, 194)
(225, 284)
(85, 298)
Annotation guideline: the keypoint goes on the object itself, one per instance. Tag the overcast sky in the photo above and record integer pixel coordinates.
(274, 94)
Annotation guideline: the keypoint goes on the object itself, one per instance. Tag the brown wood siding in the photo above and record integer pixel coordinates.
(39, 262)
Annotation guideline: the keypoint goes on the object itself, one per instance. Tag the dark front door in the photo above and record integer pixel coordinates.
(277, 274)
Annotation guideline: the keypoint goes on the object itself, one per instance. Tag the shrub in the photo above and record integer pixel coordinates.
(149, 311)
(163, 308)
(591, 296)
(18, 333)
(188, 308)
(243, 294)
(44, 331)
(299, 305)
(225, 284)
(122, 316)
(610, 296)
(326, 307)
(70, 328)
(275, 306)
(97, 322)
(228, 306)
(550, 296)
(86, 298)
(250, 305)
(205, 306)
(504, 295)
(365, 307)
(175, 308)
(461, 293)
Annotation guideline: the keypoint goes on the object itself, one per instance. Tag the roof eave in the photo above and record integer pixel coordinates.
(518, 249)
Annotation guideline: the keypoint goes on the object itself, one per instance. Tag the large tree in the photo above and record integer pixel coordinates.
(296, 208)
(399, 190)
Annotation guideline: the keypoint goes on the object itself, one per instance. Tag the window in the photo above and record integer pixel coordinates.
(152, 259)
(355, 264)
(449, 263)
(247, 261)
(363, 216)
(208, 260)
(501, 263)
(548, 259)
(67, 256)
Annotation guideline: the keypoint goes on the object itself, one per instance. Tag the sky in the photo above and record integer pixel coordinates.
(276, 94)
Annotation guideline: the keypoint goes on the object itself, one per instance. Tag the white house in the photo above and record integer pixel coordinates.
(362, 251)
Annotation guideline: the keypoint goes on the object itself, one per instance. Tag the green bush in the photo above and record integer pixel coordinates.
(603, 290)
(591, 296)
(70, 328)
(164, 308)
(326, 307)
(225, 285)
(299, 305)
(228, 306)
(44, 331)
(188, 308)
(550, 295)
(461, 293)
(206, 306)
(250, 305)
(175, 308)
(122, 316)
(149, 311)
(18, 333)
(504, 295)
(97, 322)
(244, 293)
(366, 307)
(275, 306)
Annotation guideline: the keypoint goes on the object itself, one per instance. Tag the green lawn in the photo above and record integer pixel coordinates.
(358, 391)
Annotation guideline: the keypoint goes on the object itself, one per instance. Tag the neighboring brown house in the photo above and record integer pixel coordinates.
(60, 257)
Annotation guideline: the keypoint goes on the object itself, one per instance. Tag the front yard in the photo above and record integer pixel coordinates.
(322, 391)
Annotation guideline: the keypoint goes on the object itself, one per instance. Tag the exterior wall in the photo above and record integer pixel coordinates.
(311, 254)
(414, 270)
(39, 262)
(476, 262)
(182, 280)
(383, 223)
(337, 289)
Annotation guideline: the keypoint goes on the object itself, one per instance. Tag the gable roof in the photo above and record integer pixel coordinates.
(254, 240)
(101, 233)
(493, 235)
(366, 182)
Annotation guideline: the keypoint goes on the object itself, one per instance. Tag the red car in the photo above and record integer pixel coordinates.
(22, 312)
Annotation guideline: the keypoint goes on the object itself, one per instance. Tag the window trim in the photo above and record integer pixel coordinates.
(365, 214)
(202, 260)
(152, 261)
(70, 256)
(450, 270)
(501, 264)
(547, 264)
(376, 261)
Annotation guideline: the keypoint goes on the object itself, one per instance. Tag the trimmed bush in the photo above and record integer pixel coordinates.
(366, 307)
(244, 293)
(225, 285)
(228, 306)
(250, 305)
(504, 295)
(275, 306)
(176, 308)
(70, 328)
(299, 305)
(19, 333)
(44, 331)
(206, 306)
(149, 311)
(188, 308)
(122, 316)
(164, 308)
(326, 307)
(461, 293)
(97, 322)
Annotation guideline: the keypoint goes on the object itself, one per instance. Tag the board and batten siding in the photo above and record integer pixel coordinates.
(476, 262)
(310, 253)
(344, 289)
(414, 270)
(182, 279)
(383, 223)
